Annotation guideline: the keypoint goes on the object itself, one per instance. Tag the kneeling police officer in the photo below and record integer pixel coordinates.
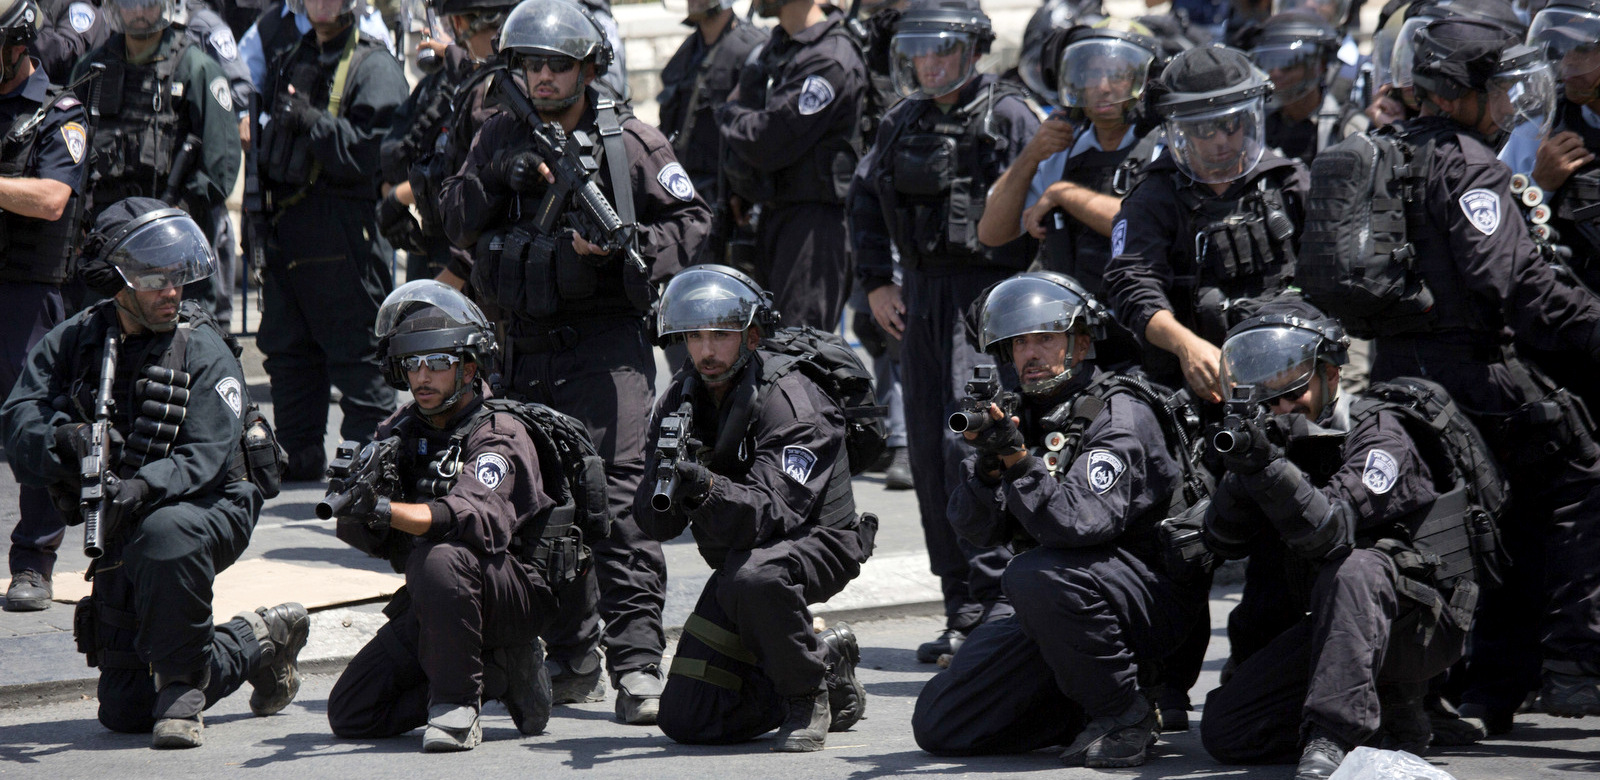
(770, 504)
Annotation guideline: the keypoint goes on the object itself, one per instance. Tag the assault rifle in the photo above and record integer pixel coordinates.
(674, 444)
(254, 211)
(983, 389)
(354, 474)
(1242, 415)
(571, 161)
(93, 504)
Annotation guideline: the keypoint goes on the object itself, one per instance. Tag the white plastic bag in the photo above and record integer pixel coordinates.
(1366, 763)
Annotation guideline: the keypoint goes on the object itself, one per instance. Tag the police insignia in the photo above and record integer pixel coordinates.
(1381, 471)
(1104, 469)
(797, 463)
(76, 139)
(1482, 208)
(222, 42)
(1119, 237)
(232, 394)
(219, 90)
(80, 16)
(815, 95)
(491, 469)
(676, 181)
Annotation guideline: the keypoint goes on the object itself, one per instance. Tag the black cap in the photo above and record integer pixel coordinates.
(1210, 76)
(1456, 56)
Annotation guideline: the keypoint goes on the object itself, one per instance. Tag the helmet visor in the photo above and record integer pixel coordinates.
(168, 252)
(1221, 144)
(409, 297)
(1334, 11)
(550, 27)
(139, 18)
(1295, 68)
(323, 11)
(930, 64)
(1276, 361)
(706, 300)
(1572, 38)
(1405, 50)
(424, 22)
(1524, 96)
(1101, 74)
(1025, 305)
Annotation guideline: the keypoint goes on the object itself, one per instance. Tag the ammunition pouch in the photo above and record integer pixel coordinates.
(557, 549)
(264, 459)
(925, 165)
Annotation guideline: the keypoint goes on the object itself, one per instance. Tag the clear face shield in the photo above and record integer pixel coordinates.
(139, 18)
(1028, 305)
(930, 64)
(423, 22)
(1221, 144)
(705, 300)
(1523, 100)
(1333, 11)
(1571, 37)
(406, 298)
(1101, 76)
(324, 11)
(1405, 50)
(1296, 69)
(168, 252)
(1274, 361)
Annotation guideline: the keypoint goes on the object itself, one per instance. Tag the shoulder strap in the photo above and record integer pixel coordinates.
(605, 117)
(341, 74)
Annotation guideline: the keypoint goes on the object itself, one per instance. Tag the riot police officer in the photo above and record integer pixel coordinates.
(167, 126)
(68, 29)
(920, 192)
(572, 302)
(462, 524)
(1077, 472)
(1213, 224)
(769, 502)
(431, 133)
(791, 135)
(41, 199)
(1489, 287)
(181, 492)
(1361, 584)
(1298, 50)
(327, 104)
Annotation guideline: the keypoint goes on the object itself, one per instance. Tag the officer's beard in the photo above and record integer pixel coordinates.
(128, 303)
(723, 376)
(9, 69)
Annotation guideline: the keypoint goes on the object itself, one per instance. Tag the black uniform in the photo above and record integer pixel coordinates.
(1369, 621)
(153, 586)
(694, 82)
(1093, 602)
(780, 529)
(471, 582)
(1332, 122)
(70, 29)
(1490, 286)
(899, 202)
(792, 137)
(37, 254)
(327, 266)
(581, 348)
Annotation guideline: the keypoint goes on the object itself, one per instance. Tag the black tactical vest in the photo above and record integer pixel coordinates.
(33, 250)
(1233, 249)
(143, 119)
(1071, 247)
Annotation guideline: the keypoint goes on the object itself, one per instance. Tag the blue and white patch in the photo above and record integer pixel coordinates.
(1105, 468)
(222, 92)
(676, 181)
(222, 42)
(1381, 471)
(1482, 208)
(491, 469)
(797, 463)
(232, 395)
(1119, 237)
(815, 95)
(76, 139)
(80, 16)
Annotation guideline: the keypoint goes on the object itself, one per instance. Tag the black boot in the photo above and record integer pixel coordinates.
(946, 643)
(1405, 724)
(847, 699)
(578, 681)
(1120, 740)
(30, 591)
(180, 698)
(1448, 727)
(806, 728)
(639, 696)
(1323, 754)
(898, 475)
(282, 632)
(306, 464)
(517, 676)
(1571, 689)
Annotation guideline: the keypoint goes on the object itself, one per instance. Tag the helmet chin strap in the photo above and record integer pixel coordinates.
(1048, 387)
(143, 322)
(449, 403)
(733, 370)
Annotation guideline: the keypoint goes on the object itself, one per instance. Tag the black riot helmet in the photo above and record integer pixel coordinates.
(1213, 105)
(1456, 56)
(1420, 14)
(144, 18)
(142, 244)
(1040, 302)
(19, 22)
(936, 46)
(1277, 352)
(426, 317)
(542, 28)
(1569, 30)
(480, 14)
(1041, 42)
(714, 297)
(1295, 48)
(1522, 92)
(1111, 60)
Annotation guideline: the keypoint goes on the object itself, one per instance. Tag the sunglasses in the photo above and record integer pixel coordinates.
(556, 63)
(437, 361)
(1207, 130)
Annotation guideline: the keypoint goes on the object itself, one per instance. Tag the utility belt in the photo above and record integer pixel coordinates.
(557, 550)
(537, 275)
(1437, 556)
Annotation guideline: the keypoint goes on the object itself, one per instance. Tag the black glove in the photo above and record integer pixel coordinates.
(368, 507)
(1252, 451)
(396, 224)
(516, 171)
(73, 440)
(694, 482)
(1000, 438)
(295, 113)
(127, 496)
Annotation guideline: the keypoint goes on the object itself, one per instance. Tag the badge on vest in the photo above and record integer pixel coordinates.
(676, 181)
(77, 140)
(1482, 208)
(219, 90)
(490, 469)
(815, 95)
(232, 395)
(1104, 470)
(1119, 237)
(797, 463)
(222, 42)
(1381, 471)
(81, 17)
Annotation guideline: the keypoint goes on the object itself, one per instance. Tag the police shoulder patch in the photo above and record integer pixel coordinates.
(1381, 471)
(491, 469)
(675, 180)
(232, 395)
(1482, 208)
(798, 462)
(1105, 468)
(76, 139)
(222, 92)
(1119, 237)
(221, 40)
(815, 94)
(80, 16)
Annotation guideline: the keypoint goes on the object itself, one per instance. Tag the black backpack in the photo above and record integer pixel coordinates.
(1178, 416)
(825, 358)
(1356, 260)
(573, 473)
